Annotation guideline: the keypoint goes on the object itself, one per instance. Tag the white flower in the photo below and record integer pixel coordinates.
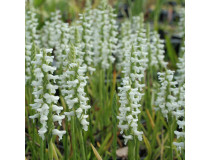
(38, 92)
(43, 119)
(49, 50)
(44, 109)
(179, 134)
(85, 124)
(36, 83)
(179, 145)
(50, 98)
(138, 134)
(49, 58)
(34, 116)
(181, 124)
(178, 113)
(69, 115)
(58, 118)
(47, 68)
(42, 131)
(54, 78)
(59, 133)
(52, 88)
(57, 109)
(126, 138)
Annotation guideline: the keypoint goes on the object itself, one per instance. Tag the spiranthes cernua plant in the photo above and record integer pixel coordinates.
(95, 58)
(157, 51)
(181, 23)
(62, 46)
(31, 39)
(140, 41)
(86, 41)
(166, 99)
(51, 31)
(31, 32)
(73, 82)
(130, 96)
(179, 113)
(133, 32)
(104, 36)
(180, 77)
(167, 102)
(125, 40)
(45, 103)
(30, 66)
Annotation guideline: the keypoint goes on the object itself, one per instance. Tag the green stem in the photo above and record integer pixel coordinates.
(137, 150)
(65, 139)
(42, 149)
(33, 141)
(73, 137)
(156, 129)
(82, 143)
(91, 130)
(66, 148)
(31, 133)
(114, 120)
(131, 149)
(171, 137)
(101, 88)
(50, 149)
(50, 128)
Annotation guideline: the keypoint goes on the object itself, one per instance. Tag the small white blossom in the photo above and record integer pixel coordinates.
(59, 133)
(58, 118)
(57, 109)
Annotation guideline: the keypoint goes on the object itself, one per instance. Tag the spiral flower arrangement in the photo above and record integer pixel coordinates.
(96, 83)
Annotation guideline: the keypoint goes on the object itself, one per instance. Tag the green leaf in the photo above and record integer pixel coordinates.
(171, 52)
(38, 3)
(96, 153)
(147, 144)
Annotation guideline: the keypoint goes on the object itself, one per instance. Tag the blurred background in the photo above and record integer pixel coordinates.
(164, 16)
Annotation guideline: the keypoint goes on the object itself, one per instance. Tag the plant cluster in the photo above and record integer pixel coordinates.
(101, 82)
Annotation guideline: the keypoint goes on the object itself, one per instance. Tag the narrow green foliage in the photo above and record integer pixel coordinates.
(114, 123)
(171, 52)
(73, 125)
(81, 143)
(131, 149)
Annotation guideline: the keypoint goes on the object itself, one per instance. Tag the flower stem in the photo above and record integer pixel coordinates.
(73, 137)
(66, 150)
(131, 149)
(114, 121)
(50, 149)
(171, 137)
(50, 128)
(42, 149)
(82, 143)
